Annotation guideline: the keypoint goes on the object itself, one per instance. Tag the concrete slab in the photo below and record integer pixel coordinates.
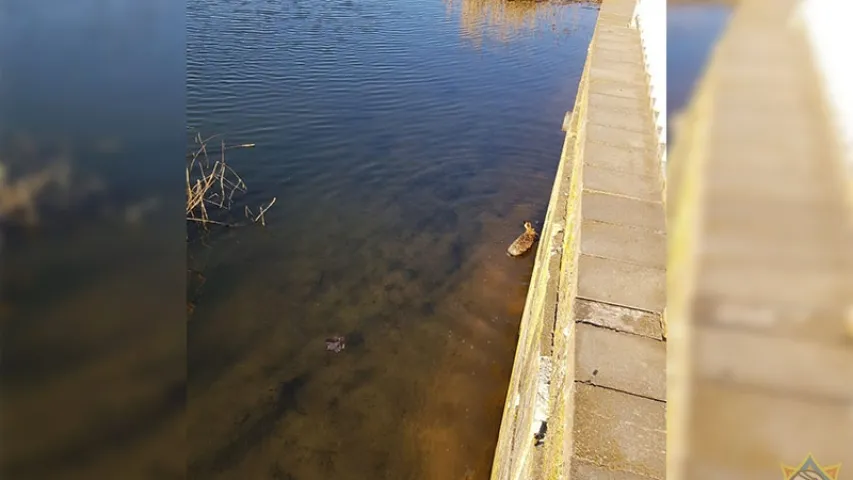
(751, 431)
(618, 88)
(619, 318)
(612, 30)
(758, 360)
(620, 283)
(621, 361)
(605, 207)
(770, 284)
(620, 431)
(616, 137)
(617, 72)
(583, 470)
(625, 243)
(618, 19)
(620, 56)
(636, 161)
(617, 8)
(609, 102)
(609, 47)
(801, 320)
(631, 120)
(621, 183)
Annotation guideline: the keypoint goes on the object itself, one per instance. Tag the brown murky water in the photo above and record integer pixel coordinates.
(92, 329)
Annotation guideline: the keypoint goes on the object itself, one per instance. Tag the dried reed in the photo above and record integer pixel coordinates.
(211, 184)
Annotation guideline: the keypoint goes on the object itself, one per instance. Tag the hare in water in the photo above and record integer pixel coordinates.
(524, 241)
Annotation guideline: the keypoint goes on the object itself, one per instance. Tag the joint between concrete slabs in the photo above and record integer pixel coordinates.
(619, 330)
(618, 88)
(622, 260)
(629, 307)
(776, 392)
(623, 392)
(621, 195)
(628, 225)
(640, 176)
(620, 139)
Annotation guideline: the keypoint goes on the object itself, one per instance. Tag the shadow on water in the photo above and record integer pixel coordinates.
(404, 161)
(88, 384)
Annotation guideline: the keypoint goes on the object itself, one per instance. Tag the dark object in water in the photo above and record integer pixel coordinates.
(524, 241)
(336, 344)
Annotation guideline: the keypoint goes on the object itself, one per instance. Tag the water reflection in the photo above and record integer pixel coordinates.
(692, 31)
(506, 19)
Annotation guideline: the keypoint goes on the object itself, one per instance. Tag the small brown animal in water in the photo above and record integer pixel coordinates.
(524, 241)
(336, 344)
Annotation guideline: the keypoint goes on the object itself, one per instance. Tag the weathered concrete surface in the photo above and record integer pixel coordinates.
(623, 319)
(760, 263)
(591, 356)
(620, 432)
(621, 361)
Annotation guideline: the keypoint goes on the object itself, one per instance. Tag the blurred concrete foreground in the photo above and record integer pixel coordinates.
(760, 274)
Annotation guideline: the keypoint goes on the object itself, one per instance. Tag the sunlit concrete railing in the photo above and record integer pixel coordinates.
(652, 25)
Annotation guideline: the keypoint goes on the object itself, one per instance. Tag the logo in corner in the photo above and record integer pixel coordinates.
(811, 470)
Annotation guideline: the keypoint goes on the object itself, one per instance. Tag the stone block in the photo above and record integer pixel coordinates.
(748, 432)
(621, 183)
(618, 88)
(775, 363)
(618, 318)
(617, 72)
(621, 361)
(636, 161)
(634, 120)
(622, 242)
(619, 138)
(583, 470)
(620, 432)
(610, 102)
(619, 283)
(609, 208)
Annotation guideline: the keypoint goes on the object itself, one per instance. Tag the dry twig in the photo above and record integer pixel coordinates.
(212, 183)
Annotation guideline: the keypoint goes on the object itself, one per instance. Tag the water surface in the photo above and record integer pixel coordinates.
(692, 31)
(405, 143)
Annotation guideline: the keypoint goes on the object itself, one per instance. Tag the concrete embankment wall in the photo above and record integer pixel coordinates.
(587, 393)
